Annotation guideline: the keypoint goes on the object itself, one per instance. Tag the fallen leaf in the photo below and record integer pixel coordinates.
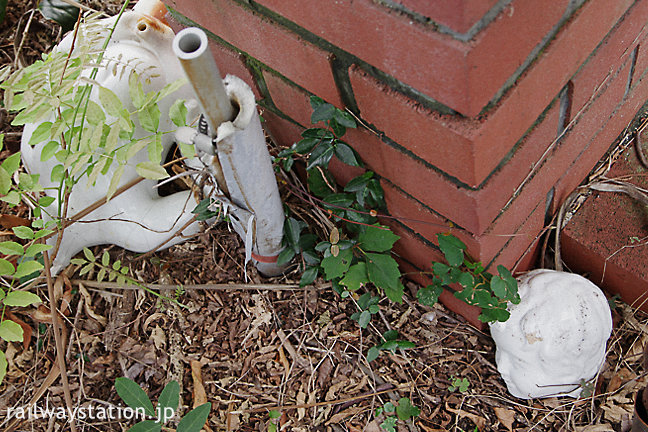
(506, 417)
(623, 375)
(603, 427)
(87, 302)
(199, 394)
(479, 421)
(10, 221)
(351, 411)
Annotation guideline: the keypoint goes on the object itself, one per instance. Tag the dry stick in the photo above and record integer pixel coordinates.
(56, 326)
(316, 404)
(204, 287)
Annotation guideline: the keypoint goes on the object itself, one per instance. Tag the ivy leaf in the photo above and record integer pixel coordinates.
(429, 295)
(405, 410)
(383, 272)
(355, 277)
(133, 395)
(293, 229)
(323, 112)
(21, 299)
(346, 154)
(498, 286)
(308, 277)
(373, 353)
(359, 183)
(195, 419)
(377, 238)
(492, 315)
(344, 119)
(389, 424)
(11, 331)
(364, 319)
(336, 266)
(452, 248)
(321, 155)
(61, 12)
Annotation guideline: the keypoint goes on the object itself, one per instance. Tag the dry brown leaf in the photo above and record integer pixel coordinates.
(603, 427)
(301, 400)
(87, 302)
(479, 421)
(158, 337)
(351, 411)
(8, 221)
(623, 375)
(506, 417)
(199, 394)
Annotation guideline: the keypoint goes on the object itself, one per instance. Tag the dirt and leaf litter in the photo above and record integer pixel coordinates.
(266, 351)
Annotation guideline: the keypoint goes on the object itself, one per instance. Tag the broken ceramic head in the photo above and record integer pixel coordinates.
(556, 336)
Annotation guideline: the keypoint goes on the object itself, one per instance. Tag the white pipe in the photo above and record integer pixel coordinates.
(242, 159)
(192, 49)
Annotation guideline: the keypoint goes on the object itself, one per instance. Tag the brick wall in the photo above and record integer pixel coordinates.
(481, 114)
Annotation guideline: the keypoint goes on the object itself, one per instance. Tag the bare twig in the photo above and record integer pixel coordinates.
(56, 327)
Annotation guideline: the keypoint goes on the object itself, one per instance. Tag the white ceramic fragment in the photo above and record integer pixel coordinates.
(139, 219)
(556, 336)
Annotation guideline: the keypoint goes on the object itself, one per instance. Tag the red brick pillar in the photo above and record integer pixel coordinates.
(481, 114)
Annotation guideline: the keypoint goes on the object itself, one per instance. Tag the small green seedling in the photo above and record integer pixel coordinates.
(273, 423)
(391, 343)
(460, 384)
(404, 411)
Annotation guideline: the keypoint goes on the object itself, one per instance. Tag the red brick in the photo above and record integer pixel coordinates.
(464, 76)
(283, 132)
(479, 146)
(300, 61)
(421, 220)
(521, 248)
(608, 131)
(233, 63)
(292, 101)
(597, 240)
(459, 15)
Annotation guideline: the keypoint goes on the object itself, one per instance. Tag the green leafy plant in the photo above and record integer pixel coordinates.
(114, 271)
(403, 410)
(390, 343)
(491, 293)
(167, 405)
(459, 384)
(273, 422)
(86, 138)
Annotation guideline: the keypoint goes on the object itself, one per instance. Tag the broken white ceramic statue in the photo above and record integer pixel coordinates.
(139, 219)
(556, 336)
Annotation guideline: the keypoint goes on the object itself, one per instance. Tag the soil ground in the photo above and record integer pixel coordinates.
(267, 345)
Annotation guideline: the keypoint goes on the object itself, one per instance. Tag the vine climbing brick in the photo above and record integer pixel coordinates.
(480, 116)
